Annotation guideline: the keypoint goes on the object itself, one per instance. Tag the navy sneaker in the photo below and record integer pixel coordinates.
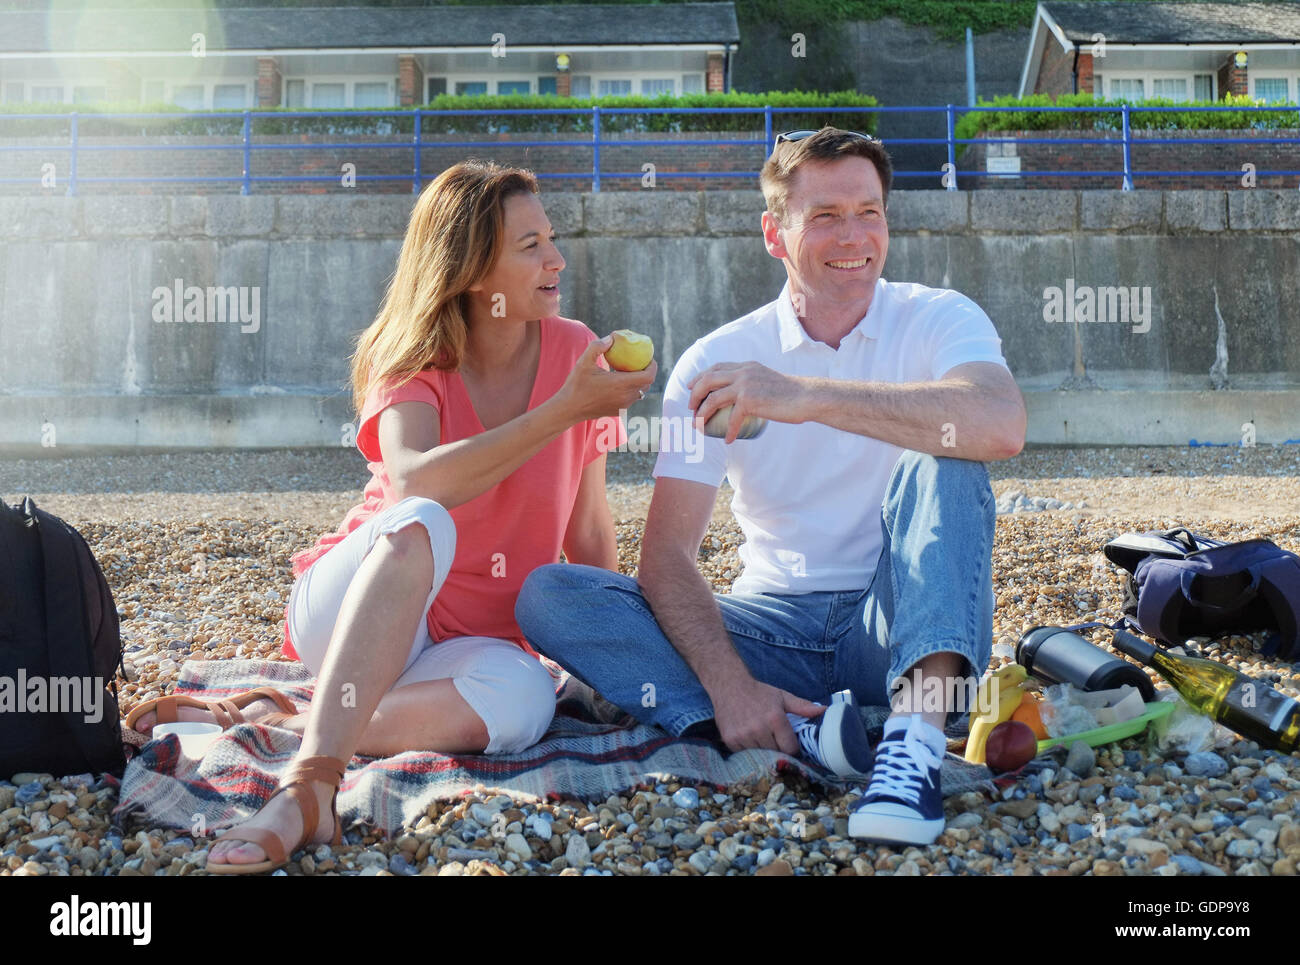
(903, 803)
(837, 740)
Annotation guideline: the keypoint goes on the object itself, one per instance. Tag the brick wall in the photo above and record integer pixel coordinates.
(1085, 67)
(410, 81)
(268, 82)
(1237, 80)
(621, 163)
(715, 79)
(1144, 156)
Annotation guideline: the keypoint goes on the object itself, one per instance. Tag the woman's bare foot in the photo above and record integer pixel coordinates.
(282, 816)
(253, 712)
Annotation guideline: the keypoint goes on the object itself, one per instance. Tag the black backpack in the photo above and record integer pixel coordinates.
(1182, 585)
(59, 650)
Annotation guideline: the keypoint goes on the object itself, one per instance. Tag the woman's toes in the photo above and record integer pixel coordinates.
(245, 853)
(236, 852)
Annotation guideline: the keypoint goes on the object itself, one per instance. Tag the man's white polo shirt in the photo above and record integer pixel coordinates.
(808, 497)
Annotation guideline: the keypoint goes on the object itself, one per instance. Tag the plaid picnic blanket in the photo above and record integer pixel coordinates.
(590, 751)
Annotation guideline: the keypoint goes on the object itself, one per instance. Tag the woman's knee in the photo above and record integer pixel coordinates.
(516, 695)
(430, 533)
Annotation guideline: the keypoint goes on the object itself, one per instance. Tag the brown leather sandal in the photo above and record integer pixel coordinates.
(226, 711)
(296, 783)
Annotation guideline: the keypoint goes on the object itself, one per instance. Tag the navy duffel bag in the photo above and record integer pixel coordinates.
(1182, 585)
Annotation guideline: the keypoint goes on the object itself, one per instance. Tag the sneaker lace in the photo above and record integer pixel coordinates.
(806, 731)
(905, 763)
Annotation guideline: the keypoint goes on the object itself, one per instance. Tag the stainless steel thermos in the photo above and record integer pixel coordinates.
(1060, 656)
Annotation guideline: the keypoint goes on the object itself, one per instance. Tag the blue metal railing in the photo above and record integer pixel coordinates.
(419, 144)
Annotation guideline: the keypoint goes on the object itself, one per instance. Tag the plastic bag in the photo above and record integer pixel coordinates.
(1065, 711)
(1186, 729)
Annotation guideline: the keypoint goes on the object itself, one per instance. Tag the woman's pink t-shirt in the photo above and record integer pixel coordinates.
(508, 531)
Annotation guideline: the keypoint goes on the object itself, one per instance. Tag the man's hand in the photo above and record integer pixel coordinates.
(749, 713)
(754, 390)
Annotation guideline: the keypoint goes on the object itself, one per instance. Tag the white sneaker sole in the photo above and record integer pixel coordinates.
(899, 830)
(833, 756)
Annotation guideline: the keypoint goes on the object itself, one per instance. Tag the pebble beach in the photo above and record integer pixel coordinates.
(196, 547)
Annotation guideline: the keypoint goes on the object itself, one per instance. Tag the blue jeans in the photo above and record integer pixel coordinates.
(932, 593)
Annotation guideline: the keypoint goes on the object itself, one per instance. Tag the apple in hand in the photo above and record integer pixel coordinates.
(630, 352)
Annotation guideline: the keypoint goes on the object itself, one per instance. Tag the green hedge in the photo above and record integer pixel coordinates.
(972, 124)
(99, 119)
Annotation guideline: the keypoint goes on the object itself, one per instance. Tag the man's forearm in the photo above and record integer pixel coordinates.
(956, 418)
(683, 603)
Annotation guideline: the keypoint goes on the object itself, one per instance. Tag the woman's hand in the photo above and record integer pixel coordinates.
(592, 391)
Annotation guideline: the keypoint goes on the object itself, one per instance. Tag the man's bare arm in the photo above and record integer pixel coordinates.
(974, 412)
(748, 713)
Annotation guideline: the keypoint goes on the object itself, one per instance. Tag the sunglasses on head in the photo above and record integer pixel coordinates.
(792, 136)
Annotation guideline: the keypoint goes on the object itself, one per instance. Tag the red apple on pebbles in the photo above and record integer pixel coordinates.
(1011, 745)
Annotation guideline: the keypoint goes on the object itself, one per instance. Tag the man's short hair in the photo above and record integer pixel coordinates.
(828, 144)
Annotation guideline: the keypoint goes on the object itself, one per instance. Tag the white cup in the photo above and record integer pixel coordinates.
(195, 738)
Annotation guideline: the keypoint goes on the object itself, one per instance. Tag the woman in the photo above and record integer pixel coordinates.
(478, 413)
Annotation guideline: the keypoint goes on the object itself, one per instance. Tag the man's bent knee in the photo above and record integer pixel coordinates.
(539, 600)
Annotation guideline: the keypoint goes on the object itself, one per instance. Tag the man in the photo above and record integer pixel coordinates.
(865, 506)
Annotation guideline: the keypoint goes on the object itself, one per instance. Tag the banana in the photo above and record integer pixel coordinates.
(1001, 692)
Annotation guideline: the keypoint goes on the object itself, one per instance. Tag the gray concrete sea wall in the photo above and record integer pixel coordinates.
(1199, 292)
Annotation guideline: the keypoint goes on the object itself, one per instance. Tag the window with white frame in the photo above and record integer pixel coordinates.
(1170, 88)
(1271, 90)
(655, 86)
(692, 83)
(1126, 88)
(614, 88)
(229, 97)
(13, 93)
(295, 93)
(514, 87)
(580, 85)
(47, 94)
(155, 91)
(85, 94)
(372, 94)
(329, 96)
(470, 88)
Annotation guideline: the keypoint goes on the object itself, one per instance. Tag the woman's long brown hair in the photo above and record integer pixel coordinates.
(452, 241)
